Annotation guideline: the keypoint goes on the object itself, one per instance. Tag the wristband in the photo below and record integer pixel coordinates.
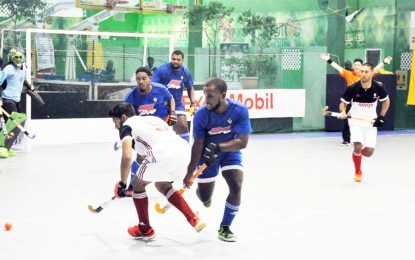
(329, 61)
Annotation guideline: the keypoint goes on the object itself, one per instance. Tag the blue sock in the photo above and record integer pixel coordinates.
(185, 136)
(229, 214)
(134, 168)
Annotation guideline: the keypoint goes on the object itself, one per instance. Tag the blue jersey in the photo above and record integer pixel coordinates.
(15, 78)
(175, 80)
(154, 103)
(219, 128)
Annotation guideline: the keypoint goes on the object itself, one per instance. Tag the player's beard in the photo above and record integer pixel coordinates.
(215, 107)
(142, 89)
(365, 80)
(175, 66)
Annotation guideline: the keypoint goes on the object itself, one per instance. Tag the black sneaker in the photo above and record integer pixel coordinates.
(345, 143)
(225, 234)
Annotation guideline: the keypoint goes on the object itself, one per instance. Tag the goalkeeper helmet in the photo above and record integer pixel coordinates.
(16, 56)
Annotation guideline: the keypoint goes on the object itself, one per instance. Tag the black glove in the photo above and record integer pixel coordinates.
(211, 153)
(172, 118)
(379, 121)
(120, 189)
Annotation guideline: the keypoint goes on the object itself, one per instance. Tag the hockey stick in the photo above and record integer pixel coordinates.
(103, 205)
(31, 136)
(3, 125)
(166, 207)
(2, 122)
(100, 207)
(338, 115)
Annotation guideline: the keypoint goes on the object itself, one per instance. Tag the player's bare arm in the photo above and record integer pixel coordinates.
(381, 64)
(326, 57)
(172, 104)
(236, 144)
(197, 150)
(342, 109)
(385, 107)
(126, 159)
(191, 94)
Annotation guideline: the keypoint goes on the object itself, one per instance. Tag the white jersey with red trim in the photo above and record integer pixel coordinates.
(364, 101)
(153, 138)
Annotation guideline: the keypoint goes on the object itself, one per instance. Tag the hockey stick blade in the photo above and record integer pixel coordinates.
(159, 209)
(18, 125)
(100, 207)
(164, 209)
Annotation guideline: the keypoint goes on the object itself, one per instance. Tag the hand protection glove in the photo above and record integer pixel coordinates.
(379, 121)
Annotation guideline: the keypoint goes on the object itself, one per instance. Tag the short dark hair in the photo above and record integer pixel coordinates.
(144, 69)
(219, 83)
(370, 65)
(178, 52)
(358, 60)
(122, 109)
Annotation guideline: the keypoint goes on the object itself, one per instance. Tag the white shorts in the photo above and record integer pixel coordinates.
(365, 134)
(173, 169)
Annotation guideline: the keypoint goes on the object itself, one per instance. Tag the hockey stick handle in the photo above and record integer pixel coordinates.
(100, 207)
(3, 125)
(18, 124)
(336, 114)
(2, 122)
(339, 115)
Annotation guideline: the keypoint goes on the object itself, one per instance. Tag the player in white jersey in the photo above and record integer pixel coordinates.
(159, 146)
(364, 96)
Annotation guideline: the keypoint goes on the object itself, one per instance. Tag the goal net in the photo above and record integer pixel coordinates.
(97, 64)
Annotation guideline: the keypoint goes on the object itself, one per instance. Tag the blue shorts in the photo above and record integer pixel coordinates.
(225, 161)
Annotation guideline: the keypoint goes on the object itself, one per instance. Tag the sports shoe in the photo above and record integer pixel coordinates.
(197, 223)
(12, 153)
(345, 143)
(136, 232)
(225, 234)
(4, 153)
(358, 176)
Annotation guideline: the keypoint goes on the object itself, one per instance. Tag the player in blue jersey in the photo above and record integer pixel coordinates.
(221, 130)
(150, 99)
(176, 77)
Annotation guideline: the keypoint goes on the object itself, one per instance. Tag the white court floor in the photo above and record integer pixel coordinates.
(299, 202)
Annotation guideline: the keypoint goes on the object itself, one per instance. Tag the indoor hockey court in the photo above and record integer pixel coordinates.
(299, 201)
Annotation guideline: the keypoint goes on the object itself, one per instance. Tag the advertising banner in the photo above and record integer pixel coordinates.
(263, 103)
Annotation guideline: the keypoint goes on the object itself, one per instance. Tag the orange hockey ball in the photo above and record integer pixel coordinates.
(8, 226)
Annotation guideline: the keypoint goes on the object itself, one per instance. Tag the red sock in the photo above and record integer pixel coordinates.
(176, 199)
(141, 206)
(357, 159)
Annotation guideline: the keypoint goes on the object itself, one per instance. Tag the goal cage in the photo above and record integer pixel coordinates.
(80, 61)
